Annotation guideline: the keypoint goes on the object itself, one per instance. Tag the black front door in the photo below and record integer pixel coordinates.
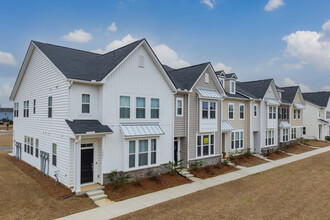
(176, 143)
(87, 160)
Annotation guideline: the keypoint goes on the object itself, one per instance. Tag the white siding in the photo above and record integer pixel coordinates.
(311, 121)
(41, 80)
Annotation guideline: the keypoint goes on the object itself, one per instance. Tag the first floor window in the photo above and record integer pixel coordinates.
(28, 145)
(34, 106)
(143, 152)
(50, 106)
(25, 147)
(85, 103)
(54, 154)
(154, 108)
(140, 107)
(237, 140)
(31, 146)
(293, 133)
(131, 154)
(270, 137)
(125, 107)
(304, 130)
(37, 147)
(153, 151)
(205, 145)
(285, 135)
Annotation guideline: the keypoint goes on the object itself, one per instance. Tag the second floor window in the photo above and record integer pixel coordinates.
(26, 109)
(231, 111)
(16, 107)
(294, 114)
(125, 107)
(272, 112)
(50, 106)
(140, 107)
(328, 115)
(179, 107)
(34, 106)
(85, 103)
(208, 110)
(205, 110)
(255, 110)
(154, 111)
(298, 114)
(232, 87)
(241, 111)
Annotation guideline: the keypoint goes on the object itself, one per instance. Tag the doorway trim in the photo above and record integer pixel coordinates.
(177, 139)
(94, 147)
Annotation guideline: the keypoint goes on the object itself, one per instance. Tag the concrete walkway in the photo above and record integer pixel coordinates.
(6, 148)
(134, 204)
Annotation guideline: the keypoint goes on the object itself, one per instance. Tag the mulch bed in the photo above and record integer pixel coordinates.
(276, 155)
(298, 149)
(144, 186)
(247, 160)
(212, 170)
(316, 143)
(57, 190)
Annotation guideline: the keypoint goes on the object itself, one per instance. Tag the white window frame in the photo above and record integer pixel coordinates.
(241, 112)
(16, 109)
(153, 108)
(202, 145)
(144, 108)
(255, 110)
(222, 82)
(305, 129)
(86, 103)
(54, 155)
(229, 104)
(233, 140)
(271, 112)
(208, 110)
(327, 115)
(298, 114)
(232, 86)
(125, 107)
(50, 106)
(285, 135)
(294, 114)
(293, 133)
(137, 153)
(34, 106)
(182, 107)
(272, 137)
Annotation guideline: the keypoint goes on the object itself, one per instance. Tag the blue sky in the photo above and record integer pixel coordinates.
(288, 40)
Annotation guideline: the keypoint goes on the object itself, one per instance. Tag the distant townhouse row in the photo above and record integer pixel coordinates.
(84, 114)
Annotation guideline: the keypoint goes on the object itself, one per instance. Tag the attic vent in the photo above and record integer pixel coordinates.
(207, 78)
(141, 61)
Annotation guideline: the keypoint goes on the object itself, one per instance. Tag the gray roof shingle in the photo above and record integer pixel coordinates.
(318, 98)
(84, 65)
(84, 126)
(289, 93)
(185, 78)
(254, 89)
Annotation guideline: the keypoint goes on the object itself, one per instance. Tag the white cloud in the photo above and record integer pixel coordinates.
(209, 3)
(294, 66)
(79, 36)
(169, 57)
(326, 88)
(268, 63)
(273, 4)
(5, 91)
(112, 27)
(116, 44)
(310, 46)
(7, 59)
(221, 66)
(290, 82)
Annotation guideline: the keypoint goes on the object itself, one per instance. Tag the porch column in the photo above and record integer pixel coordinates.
(77, 181)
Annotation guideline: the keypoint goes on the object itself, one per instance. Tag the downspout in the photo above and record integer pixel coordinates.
(76, 162)
(188, 132)
(251, 123)
(69, 107)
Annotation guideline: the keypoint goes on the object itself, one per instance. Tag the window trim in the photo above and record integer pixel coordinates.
(26, 109)
(176, 107)
(272, 136)
(285, 137)
(233, 111)
(209, 145)
(136, 108)
(232, 88)
(255, 110)
(54, 155)
(240, 139)
(240, 111)
(293, 133)
(272, 112)
(34, 105)
(137, 153)
(298, 114)
(50, 107)
(125, 107)
(222, 82)
(153, 108)
(85, 103)
(16, 109)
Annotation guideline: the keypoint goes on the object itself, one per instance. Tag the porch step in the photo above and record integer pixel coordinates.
(95, 193)
(98, 197)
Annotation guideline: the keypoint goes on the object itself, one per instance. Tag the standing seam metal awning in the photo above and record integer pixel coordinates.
(208, 93)
(141, 130)
(272, 102)
(226, 127)
(298, 105)
(323, 121)
(285, 124)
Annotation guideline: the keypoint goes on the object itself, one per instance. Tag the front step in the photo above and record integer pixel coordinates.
(98, 197)
(95, 193)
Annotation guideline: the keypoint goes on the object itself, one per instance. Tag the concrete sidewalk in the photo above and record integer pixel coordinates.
(144, 201)
(6, 148)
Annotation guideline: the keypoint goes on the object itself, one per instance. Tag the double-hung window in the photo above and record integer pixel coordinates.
(31, 146)
(25, 140)
(143, 152)
(255, 110)
(285, 135)
(54, 154)
(153, 151)
(232, 87)
(28, 145)
(272, 112)
(294, 114)
(270, 137)
(304, 130)
(125, 107)
(37, 148)
(179, 106)
(298, 114)
(205, 145)
(26, 109)
(237, 140)
(34, 106)
(205, 110)
(241, 111)
(293, 133)
(280, 111)
(50, 107)
(85, 108)
(131, 154)
(16, 106)
(140, 107)
(230, 111)
(212, 110)
(154, 111)
(208, 110)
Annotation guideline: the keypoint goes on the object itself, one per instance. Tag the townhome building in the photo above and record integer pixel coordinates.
(317, 115)
(236, 116)
(264, 104)
(197, 114)
(291, 114)
(80, 115)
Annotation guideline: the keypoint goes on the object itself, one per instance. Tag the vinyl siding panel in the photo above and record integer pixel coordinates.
(180, 122)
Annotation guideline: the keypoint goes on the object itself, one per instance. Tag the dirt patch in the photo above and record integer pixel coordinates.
(6, 140)
(276, 155)
(315, 143)
(4, 127)
(298, 149)
(212, 170)
(22, 197)
(148, 185)
(285, 192)
(247, 160)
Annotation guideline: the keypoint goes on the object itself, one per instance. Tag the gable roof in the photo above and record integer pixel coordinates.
(231, 76)
(185, 78)
(222, 73)
(254, 89)
(84, 65)
(289, 93)
(87, 126)
(318, 98)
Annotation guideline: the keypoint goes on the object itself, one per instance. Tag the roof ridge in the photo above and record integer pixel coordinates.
(255, 80)
(189, 66)
(122, 47)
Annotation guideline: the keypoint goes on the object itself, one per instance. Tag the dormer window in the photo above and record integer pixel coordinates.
(222, 82)
(207, 76)
(232, 87)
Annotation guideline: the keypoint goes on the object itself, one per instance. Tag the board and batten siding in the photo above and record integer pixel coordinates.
(131, 80)
(194, 116)
(41, 80)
